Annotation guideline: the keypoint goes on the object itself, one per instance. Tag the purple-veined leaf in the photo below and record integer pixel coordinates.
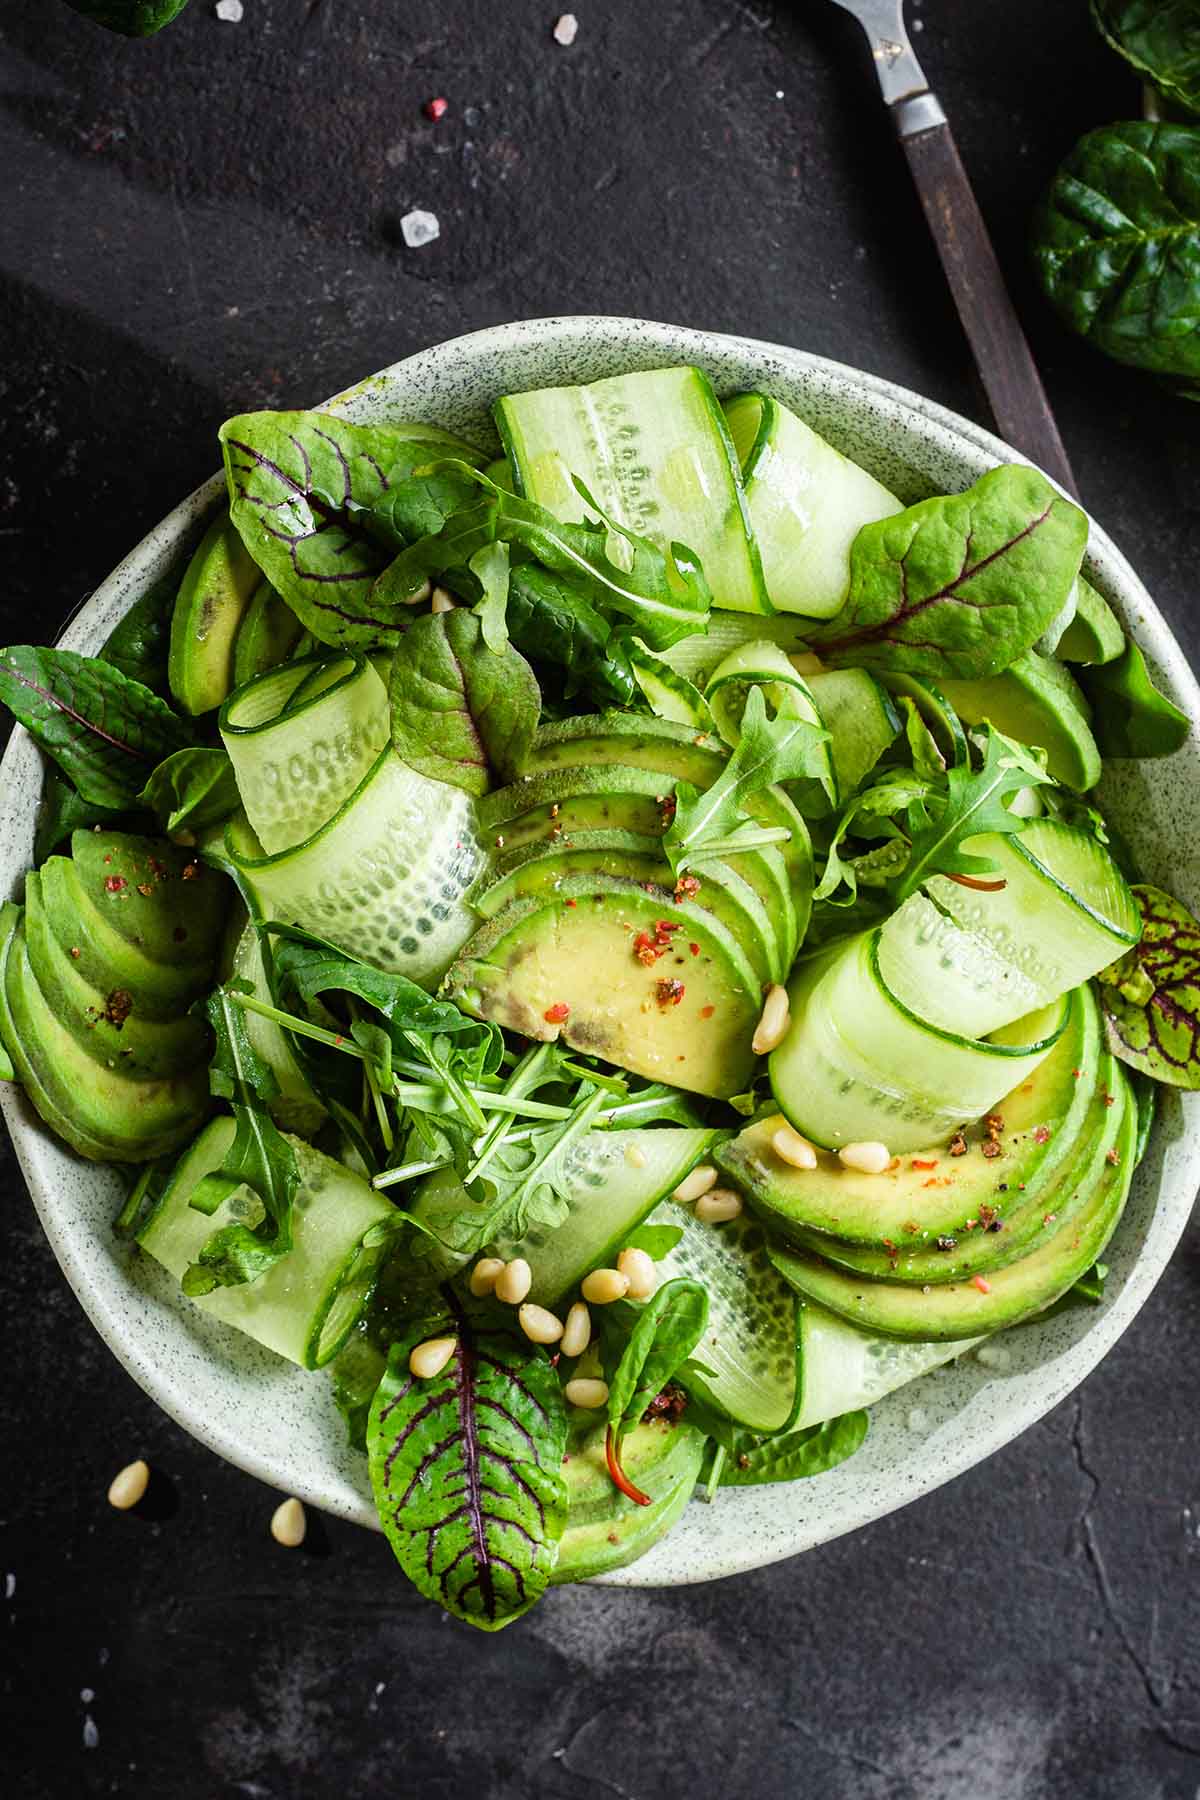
(1151, 997)
(461, 710)
(466, 1469)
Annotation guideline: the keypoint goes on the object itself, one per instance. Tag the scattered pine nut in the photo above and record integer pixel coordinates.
(539, 1326)
(577, 1331)
(441, 601)
(603, 1286)
(867, 1159)
(773, 1022)
(484, 1275)
(791, 1148)
(635, 1156)
(584, 1392)
(640, 1272)
(430, 1358)
(514, 1282)
(702, 1177)
(718, 1205)
(127, 1488)
(288, 1524)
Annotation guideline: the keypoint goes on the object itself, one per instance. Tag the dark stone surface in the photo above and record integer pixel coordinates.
(208, 222)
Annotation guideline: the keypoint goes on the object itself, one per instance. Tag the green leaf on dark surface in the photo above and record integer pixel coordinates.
(958, 586)
(1151, 997)
(1161, 38)
(794, 1455)
(131, 18)
(668, 1328)
(1130, 717)
(462, 712)
(467, 1469)
(138, 644)
(105, 732)
(1117, 244)
(191, 790)
(973, 802)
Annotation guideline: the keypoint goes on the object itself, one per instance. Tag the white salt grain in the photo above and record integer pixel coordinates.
(231, 11)
(91, 1736)
(419, 228)
(994, 1356)
(566, 29)
(917, 1419)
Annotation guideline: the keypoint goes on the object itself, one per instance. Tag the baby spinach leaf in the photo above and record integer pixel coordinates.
(668, 1328)
(959, 585)
(61, 811)
(551, 622)
(105, 732)
(973, 802)
(794, 1455)
(461, 711)
(191, 790)
(138, 643)
(132, 18)
(490, 568)
(467, 1469)
(1161, 38)
(1151, 997)
(306, 968)
(1116, 243)
(1130, 716)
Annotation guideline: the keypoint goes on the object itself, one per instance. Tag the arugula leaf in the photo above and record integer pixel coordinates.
(553, 623)
(105, 732)
(1130, 717)
(259, 1158)
(668, 1328)
(467, 1469)
(927, 759)
(656, 1240)
(871, 814)
(794, 1455)
(461, 709)
(191, 790)
(306, 967)
(1151, 997)
(973, 803)
(138, 643)
(958, 585)
(769, 750)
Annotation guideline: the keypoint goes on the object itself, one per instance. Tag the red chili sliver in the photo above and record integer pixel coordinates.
(981, 887)
(619, 1478)
(556, 1014)
(985, 1287)
(436, 109)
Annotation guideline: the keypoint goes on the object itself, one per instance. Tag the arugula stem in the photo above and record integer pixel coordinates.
(336, 1040)
(526, 1075)
(387, 1178)
(466, 1101)
(373, 1088)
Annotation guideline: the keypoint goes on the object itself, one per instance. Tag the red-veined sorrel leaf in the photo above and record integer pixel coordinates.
(467, 1469)
(1151, 997)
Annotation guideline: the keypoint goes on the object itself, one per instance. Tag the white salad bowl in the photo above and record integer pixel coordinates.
(280, 1424)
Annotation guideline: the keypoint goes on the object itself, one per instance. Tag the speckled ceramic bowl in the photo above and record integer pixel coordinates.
(280, 1424)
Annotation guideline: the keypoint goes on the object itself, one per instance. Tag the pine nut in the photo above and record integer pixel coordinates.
(288, 1524)
(635, 1156)
(718, 1205)
(583, 1392)
(513, 1282)
(441, 602)
(539, 1326)
(791, 1148)
(867, 1159)
(431, 1357)
(702, 1177)
(577, 1332)
(773, 1021)
(639, 1270)
(603, 1286)
(484, 1275)
(127, 1488)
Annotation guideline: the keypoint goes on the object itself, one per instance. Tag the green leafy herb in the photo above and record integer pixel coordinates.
(490, 567)
(959, 585)
(356, 1374)
(61, 811)
(973, 802)
(191, 790)
(461, 710)
(1117, 245)
(552, 623)
(656, 1240)
(139, 642)
(870, 815)
(793, 1455)
(467, 1469)
(1129, 715)
(667, 1330)
(132, 18)
(1151, 997)
(1161, 38)
(105, 732)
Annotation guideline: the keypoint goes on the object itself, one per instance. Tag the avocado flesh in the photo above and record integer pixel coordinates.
(158, 897)
(632, 740)
(540, 955)
(105, 957)
(1005, 1297)
(217, 588)
(107, 1022)
(605, 1530)
(910, 1207)
(1037, 702)
(1094, 634)
(267, 635)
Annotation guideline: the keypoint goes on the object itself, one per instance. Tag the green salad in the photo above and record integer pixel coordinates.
(602, 942)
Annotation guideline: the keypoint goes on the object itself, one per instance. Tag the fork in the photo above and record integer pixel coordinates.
(1002, 355)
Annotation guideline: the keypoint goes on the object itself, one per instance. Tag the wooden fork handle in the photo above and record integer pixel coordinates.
(1002, 355)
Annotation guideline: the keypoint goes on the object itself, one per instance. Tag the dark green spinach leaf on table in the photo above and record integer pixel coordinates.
(958, 586)
(466, 1469)
(192, 790)
(793, 1455)
(1161, 38)
(1117, 245)
(461, 712)
(131, 18)
(1151, 997)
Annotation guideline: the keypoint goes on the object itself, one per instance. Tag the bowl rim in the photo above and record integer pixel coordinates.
(724, 1554)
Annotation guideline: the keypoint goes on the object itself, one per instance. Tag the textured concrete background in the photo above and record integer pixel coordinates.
(210, 221)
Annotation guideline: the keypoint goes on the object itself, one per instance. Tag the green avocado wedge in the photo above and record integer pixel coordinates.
(1094, 634)
(605, 1530)
(985, 1303)
(131, 18)
(1036, 702)
(1132, 718)
(158, 897)
(213, 600)
(631, 739)
(105, 958)
(267, 636)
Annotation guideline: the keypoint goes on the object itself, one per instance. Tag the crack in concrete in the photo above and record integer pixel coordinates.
(840, 1754)
(563, 1757)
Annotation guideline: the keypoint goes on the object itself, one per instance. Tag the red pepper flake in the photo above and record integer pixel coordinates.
(114, 883)
(571, 903)
(435, 109)
(1041, 1134)
(669, 992)
(687, 887)
(971, 1224)
(145, 890)
(555, 810)
(920, 1162)
(107, 859)
(667, 803)
(992, 1147)
(191, 871)
(339, 1039)
(889, 1244)
(1110, 1100)
(557, 1014)
(985, 1287)
(664, 927)
(1049, 1218)
(1113, 1157)
(1077, 1073)
(648, 949)
(958, 1144)
(695, 949)
(76, 952)
(706, 1012)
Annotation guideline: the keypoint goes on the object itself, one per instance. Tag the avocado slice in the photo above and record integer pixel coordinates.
(1132, 717)
(548, 968)
(1094, 634)
(986, 1303)
(605, 1530)
(103, 1113)
(930, 1194)
(213, 599)
(1036, 701)
(160, 899)
(104, 958)
(267, 636)
(107, 1021)
(632, 739)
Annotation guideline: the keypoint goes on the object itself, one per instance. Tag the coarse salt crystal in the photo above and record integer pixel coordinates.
(232, 11)
(994, 1356)
(91, 1736)
(419, 228)
(917, 1419)
(566, 29)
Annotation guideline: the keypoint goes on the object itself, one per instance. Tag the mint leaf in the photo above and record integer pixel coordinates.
(466, 1469)
(191, 790)
(105, 732)
(461, 710)
(794, 1455)
(973, 803)
(1151, 998)
(959, 585)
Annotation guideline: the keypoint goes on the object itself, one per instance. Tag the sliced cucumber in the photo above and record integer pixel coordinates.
(807, 504)
(940, 717)
(948, 976)
(698, 655)
(307, 1304)
(764, 665)
(845, 1368)
(858, 714)
(667, 693)
(629, 739)
(654, 451)
(296, 1107)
